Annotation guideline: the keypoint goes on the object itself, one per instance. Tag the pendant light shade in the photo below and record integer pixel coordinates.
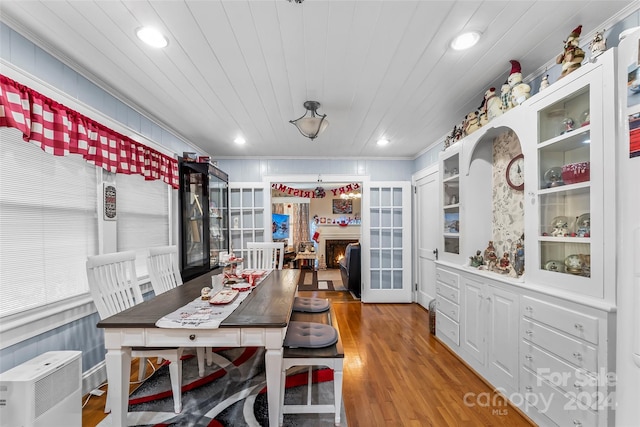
(311, 124)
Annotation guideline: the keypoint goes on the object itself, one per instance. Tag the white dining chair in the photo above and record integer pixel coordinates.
(265, 255)
(113, 284)
(164, 273)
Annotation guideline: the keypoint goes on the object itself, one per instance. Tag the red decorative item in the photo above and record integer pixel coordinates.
(576, 172)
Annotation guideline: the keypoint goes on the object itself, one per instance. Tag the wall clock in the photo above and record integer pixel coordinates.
(515, 173)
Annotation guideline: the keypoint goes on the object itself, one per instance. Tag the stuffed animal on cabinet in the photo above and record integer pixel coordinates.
(472, 122)
(520, 91)
(545, 82)
(492, 104)
(571, 58)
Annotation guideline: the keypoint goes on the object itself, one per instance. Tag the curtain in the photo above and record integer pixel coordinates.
(300, 223)
(59, 131)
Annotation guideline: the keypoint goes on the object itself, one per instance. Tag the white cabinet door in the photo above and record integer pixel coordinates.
(502, 340)
(474, 319)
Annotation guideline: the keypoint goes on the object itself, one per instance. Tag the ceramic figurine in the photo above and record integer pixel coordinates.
(545, 82)
(492, 104)
(598, 44)
(490, 256)
(520, 91)
(571, 58)
(518, 258)
(505, 97)
(504, 263)
(477, 260)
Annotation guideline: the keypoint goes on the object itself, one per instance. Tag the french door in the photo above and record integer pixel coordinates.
(386, 271)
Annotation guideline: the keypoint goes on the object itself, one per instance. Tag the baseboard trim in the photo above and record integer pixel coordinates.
(94, 377)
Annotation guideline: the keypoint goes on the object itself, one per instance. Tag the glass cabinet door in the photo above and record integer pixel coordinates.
(218, 218)
(451, 204)
(569, 164)
(204, 217)
(195, 253)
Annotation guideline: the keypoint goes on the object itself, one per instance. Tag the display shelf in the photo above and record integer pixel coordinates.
(204, 230)
(450, 201)
(566, 216)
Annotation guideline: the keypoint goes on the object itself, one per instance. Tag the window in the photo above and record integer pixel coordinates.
(143, 216)
(48, 224)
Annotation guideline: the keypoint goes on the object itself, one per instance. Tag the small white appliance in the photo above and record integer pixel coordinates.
(45, 391)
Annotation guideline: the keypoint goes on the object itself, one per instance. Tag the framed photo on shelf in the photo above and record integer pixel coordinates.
(342, 206)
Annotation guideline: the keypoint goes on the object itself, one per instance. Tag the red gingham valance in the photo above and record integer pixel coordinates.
(59, 130)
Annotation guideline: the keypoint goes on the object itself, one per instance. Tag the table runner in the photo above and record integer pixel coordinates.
(200, 314)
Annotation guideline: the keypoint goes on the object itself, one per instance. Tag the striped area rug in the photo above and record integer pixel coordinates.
(309, 282)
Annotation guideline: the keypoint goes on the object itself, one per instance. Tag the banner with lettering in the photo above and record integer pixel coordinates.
(316, 193)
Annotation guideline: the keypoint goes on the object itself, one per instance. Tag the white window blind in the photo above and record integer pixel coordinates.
(48, 224)
(143, 216)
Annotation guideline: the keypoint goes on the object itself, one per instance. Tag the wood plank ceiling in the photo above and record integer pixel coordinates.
(379, 68)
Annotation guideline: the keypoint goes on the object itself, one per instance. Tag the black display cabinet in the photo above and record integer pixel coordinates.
(204, 217)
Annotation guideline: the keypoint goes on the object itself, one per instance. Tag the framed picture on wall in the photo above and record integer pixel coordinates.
(342, 206)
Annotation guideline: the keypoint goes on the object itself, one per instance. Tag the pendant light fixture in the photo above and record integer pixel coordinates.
(311, 124)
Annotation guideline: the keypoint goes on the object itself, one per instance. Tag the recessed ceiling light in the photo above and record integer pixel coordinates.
(152, 37)
(465, 40)
(382, 142)
(239, 140)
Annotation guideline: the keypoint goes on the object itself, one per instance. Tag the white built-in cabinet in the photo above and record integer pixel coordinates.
(489, 333)
(545, 339)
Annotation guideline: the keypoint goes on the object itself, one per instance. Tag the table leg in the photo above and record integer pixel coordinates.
(118, 361)
(273, 366)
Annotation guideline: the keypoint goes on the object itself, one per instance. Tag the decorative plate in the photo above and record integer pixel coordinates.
(225, 296)
(560, 226)
(582, 226)
(553, 265)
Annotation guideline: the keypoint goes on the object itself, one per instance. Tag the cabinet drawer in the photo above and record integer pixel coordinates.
(560, 407)
(450, 309)
(572, 322)
(559, 373)
(448, 292)
(446, 327)
(444, 276)
(570, 349)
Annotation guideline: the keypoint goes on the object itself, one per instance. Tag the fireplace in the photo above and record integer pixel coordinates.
(334, 250)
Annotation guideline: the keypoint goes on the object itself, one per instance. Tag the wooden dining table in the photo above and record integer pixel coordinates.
(260, 320)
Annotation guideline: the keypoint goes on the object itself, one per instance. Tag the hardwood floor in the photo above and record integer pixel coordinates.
(396, 373)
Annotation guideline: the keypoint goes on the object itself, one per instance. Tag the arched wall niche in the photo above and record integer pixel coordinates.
(494, 210)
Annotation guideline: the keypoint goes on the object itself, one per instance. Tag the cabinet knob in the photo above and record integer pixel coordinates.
(577, 386)
(192, 337)
(453, 296)
(577, 423)
(453, 313)
(529, 308)
(530, 332)
(529, 357)
(437, 289)
(488, 299)
(578, 326)
(577, 355)
(529, 388)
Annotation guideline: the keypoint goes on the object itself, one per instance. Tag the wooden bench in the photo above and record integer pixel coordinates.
(331, 357)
